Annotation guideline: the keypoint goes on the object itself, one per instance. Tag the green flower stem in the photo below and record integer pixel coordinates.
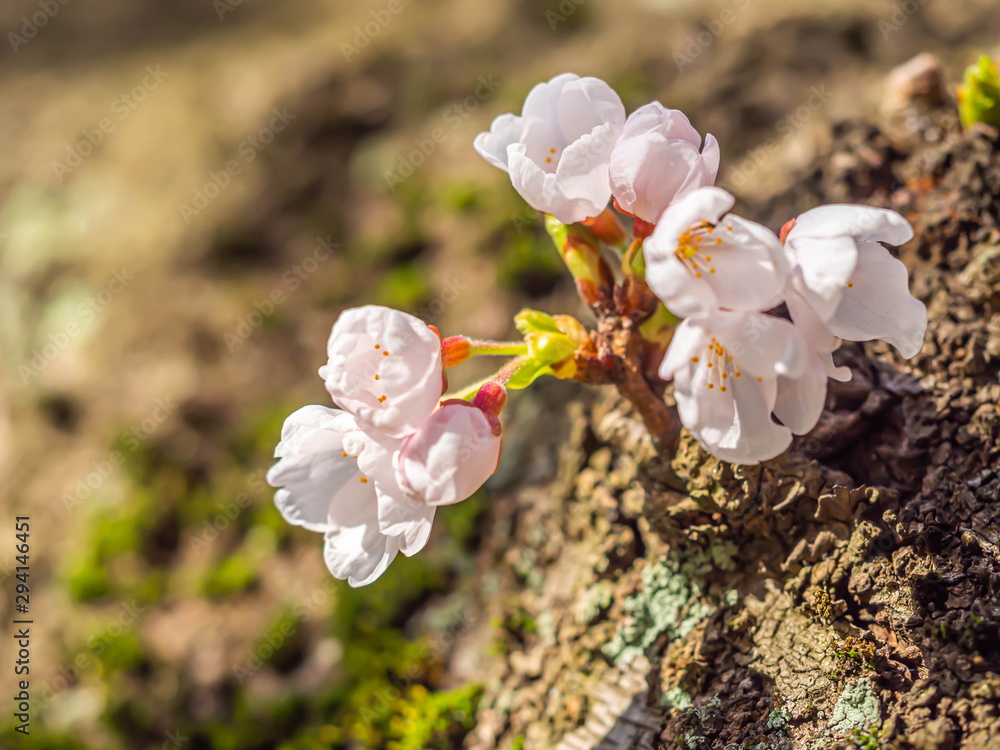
(500, 376)
(504, 348)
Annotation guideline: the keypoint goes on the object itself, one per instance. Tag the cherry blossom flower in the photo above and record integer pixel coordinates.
(558, 150)
(732, 370)
(326, 487)
(658, 159)
(700, 258)
(384, 368)
(845, 284)
(372, 491)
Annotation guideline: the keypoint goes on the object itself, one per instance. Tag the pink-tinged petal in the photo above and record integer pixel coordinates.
(648, 173)
(455, 451)
(658, 160)
(711, 156)
(800, 401)
(586, 104)
(855, 221)
(822, 268)
(405, 519)
(878, 304)
(384, 368)
(312, 472)
(492, 145)
(671, 124)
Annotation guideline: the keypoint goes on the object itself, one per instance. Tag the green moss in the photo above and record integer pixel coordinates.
(229, 576)
(429, 721)
(405, 286)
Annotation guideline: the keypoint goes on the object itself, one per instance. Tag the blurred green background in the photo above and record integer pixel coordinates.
(171, 179)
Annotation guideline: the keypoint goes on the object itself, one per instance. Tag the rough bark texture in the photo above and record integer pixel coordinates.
(843, 595)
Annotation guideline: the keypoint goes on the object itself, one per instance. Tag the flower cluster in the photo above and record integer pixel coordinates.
(745, 378)
(743, 321)
(370, 474)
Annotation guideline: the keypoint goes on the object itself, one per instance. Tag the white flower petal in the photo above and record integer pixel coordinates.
(577, 190)
(492, 145)
(695, 248)
(735, 425)
(543, 100)
(312, 472)
(800, 401)
(359, 553)
(743, 263)
(384, 368)
(823, 266)
(809, 324)
(407, 520)
(453, 453)
(856, 221)
(878, 304)
(674, 285)
(688, 341)
(763, 345)
(586, 104)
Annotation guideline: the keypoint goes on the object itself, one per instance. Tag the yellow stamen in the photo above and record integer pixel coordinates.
(724, 375)
(344, 454)
(381, 399)
(694, 359)
(723, 389)
(385, 354)
(711, 386)
(718, 240)
(736, 374)
(698, 275)
(377, 346)
(364, 480)
(711, 270)
(850, 284)
(708, 258)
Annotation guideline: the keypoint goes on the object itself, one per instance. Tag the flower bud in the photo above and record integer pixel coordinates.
(979, 95)
(455, 350)
(491, 399)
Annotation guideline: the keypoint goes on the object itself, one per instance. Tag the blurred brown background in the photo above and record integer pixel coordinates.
(169, 173)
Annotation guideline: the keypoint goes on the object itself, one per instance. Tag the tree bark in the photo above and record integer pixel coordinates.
(842, 595)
